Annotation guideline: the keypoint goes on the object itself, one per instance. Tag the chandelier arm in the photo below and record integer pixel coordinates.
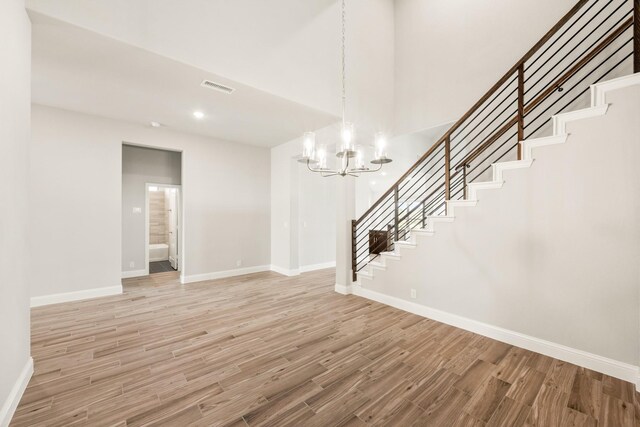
(312, 169)
(370, 170)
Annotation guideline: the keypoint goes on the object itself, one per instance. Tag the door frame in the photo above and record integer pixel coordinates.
(147, 221)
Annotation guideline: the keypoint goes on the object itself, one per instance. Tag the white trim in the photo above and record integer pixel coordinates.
(75, 296)
(223, 274)
(134, 273)
(599, 90)
(560, 120)
(284, 271)
(344, 290)
(11, 403)
(314, 267)
(614, 368)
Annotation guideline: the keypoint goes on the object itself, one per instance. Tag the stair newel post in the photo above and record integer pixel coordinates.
(354, 274)
(395, 213)
(424, 215)
(636, 36)
(447, 171)
(520, 109)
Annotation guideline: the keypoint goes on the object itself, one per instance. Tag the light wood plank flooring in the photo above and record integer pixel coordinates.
(264, 349)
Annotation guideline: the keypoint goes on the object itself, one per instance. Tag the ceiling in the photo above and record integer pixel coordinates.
(80, 70)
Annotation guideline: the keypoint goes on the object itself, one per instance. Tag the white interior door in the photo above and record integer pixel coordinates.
(172, 195)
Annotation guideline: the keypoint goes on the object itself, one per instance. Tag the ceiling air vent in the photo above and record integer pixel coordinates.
(216, 86)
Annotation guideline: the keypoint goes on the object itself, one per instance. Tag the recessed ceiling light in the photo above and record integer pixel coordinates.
(155, 124)
(198, 114)
(383, 173)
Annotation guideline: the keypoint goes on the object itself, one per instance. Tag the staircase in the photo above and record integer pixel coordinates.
(594, 42)
(518, 223)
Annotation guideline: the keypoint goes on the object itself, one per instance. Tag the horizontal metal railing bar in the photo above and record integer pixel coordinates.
(404, 187)
(573, 36)
(408, 198)
(479, 134)
(559, 36)
(574, 48)
(508, 98)
(478, 151)
(488, 104)
(402, 192)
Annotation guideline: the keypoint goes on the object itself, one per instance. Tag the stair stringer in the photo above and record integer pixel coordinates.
(455, 278)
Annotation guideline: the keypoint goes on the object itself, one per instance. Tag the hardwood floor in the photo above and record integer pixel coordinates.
(265, 349)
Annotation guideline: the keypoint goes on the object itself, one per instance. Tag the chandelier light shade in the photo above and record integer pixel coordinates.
(308, 146)
(380, 155)
(350, 157)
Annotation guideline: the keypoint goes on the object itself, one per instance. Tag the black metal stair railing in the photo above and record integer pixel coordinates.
(594, 41)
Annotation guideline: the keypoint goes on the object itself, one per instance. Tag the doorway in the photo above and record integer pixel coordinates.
(163, 228)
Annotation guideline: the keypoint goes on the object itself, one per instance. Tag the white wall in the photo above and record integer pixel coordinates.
(554, 253)
(76, 184)
(15, 89)
(303, 210)
(141, 166)
(449, 53)
(286, 47)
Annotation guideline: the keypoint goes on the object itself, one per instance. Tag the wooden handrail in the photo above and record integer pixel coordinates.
(481, 101)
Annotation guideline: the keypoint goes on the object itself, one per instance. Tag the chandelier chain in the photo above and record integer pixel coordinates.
(344, 76)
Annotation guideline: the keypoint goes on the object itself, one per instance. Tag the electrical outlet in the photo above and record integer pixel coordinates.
(132, 264)
(414, 294)
(239, 263)
(137, 210)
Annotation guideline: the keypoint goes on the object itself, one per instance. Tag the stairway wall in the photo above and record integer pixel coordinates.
(555, 253)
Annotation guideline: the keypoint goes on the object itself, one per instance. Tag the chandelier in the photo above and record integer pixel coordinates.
(350, 157)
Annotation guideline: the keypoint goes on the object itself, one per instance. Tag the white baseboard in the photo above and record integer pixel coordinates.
(344, 290)
(158, 259)
(223, 274)
(11, 403)
(134, 273)
(314, 267)
(284, 271)
(75, 296)
(303, 269)
(614, 368)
